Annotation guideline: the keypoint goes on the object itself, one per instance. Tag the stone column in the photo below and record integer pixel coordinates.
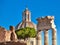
(54, 36)
(39, 38)
(46, 37)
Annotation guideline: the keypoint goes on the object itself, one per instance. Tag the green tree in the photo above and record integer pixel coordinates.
(26, 32)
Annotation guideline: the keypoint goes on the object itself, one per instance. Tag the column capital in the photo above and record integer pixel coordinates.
(46, 29)
(53, 29)
(39, 31)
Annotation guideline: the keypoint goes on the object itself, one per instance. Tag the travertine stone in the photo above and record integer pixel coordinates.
(54, 42)
(46, 37)
(39, 37)
(8, 35)
(4, 35)
(13, 34)
(47, 23)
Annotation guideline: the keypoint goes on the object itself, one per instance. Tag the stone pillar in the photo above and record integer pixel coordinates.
(54, 36)
(39, 38)
(46, 37)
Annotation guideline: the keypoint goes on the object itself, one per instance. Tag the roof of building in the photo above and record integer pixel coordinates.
(26, 24)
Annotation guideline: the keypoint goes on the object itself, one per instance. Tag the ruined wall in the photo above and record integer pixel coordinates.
(7, 35)
(2, 34)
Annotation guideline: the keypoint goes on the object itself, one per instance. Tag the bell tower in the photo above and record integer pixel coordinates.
(26, 16)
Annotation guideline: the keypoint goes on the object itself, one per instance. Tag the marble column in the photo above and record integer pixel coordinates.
(39, 38)
(54, 36)
(46, 37)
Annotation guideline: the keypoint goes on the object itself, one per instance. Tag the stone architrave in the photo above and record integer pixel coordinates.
(44, 22)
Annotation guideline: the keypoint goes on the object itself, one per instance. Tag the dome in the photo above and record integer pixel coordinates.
(26, 24)
(26, 20)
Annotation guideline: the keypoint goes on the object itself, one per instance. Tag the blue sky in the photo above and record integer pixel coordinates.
(11, 11)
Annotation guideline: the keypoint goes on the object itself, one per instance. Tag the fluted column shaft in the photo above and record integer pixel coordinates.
(45, 37)
(39, 38)
(54, 36)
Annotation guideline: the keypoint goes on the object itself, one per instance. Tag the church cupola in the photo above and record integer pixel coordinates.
(26, 20)
(26, 15)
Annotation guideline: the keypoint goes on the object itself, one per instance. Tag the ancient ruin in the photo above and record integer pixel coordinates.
(9, 37)
(44, 24)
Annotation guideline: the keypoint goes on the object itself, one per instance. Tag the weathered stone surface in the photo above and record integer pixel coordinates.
(13, 36)
(45, 24)
(54, 42)
(46, 37)
(12, 43)
(2, 34)
(7, 35)
(39, 38)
